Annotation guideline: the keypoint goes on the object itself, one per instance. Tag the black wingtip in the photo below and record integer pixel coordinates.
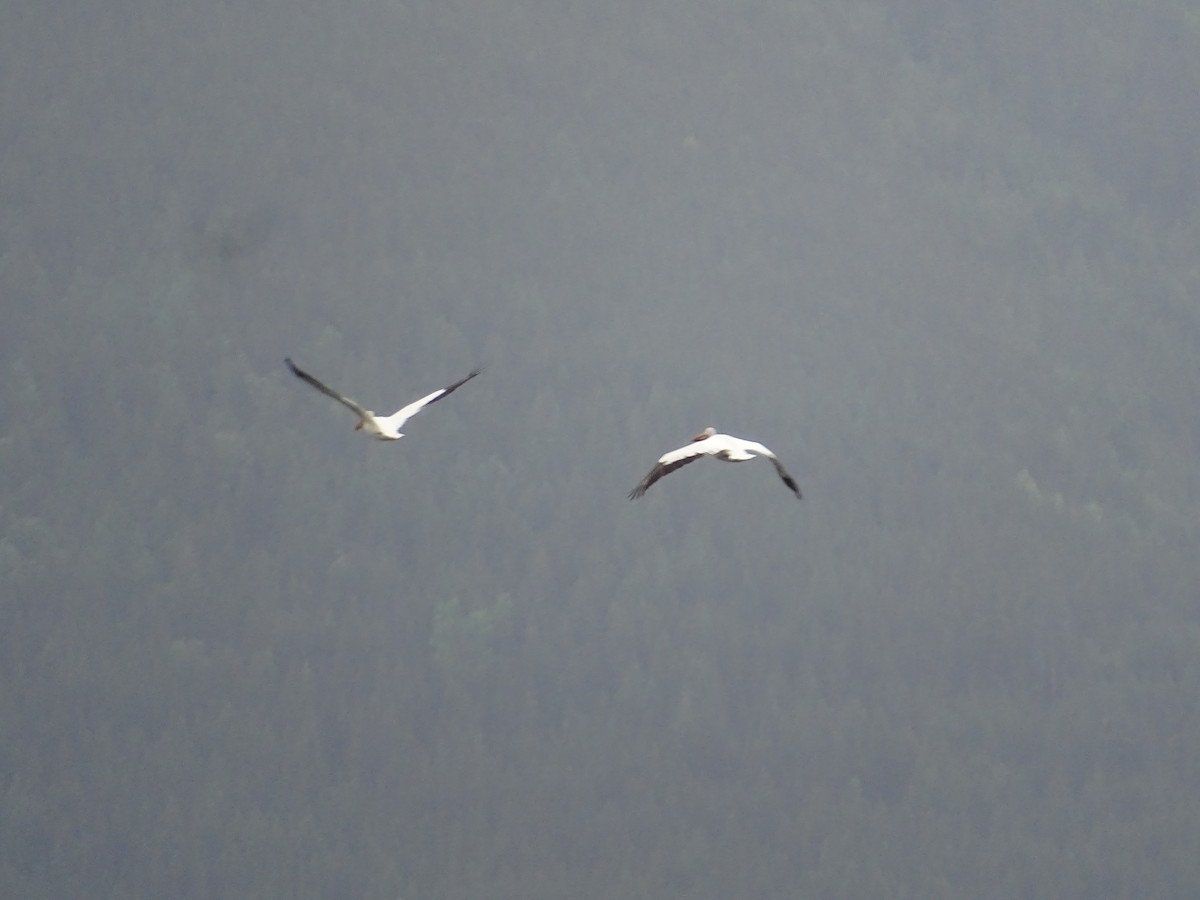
(454, 387)
(787, 478)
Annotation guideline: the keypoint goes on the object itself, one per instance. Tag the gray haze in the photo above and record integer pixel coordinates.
(941, 259)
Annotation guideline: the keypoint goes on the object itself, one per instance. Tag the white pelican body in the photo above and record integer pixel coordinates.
(718, 446)
(385, 428)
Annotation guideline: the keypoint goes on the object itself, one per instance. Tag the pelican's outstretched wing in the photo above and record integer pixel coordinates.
(668, 463)
(326, 390)
(719, 446)
(403, 414)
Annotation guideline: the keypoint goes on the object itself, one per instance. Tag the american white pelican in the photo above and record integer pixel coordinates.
(385, 428)
(718, 446)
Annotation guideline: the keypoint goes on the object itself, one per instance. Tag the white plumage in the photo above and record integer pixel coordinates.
(385, 428)
(718, 446)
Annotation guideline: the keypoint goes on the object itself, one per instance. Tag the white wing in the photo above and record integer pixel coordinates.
(748, 448)
(668, 463)
(721, 446)
(402, 415)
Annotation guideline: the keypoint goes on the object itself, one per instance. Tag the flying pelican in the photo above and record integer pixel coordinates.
(385, 428)
(719, 446)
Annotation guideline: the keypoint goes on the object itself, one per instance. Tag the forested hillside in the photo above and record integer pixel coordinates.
(940, 257)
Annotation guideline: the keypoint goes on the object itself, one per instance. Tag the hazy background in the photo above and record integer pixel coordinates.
(941, 257)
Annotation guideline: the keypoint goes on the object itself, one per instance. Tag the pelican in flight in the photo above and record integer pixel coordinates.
(718, 446)
(385, 428)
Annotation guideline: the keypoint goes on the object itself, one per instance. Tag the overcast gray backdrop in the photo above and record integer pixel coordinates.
(940, 258)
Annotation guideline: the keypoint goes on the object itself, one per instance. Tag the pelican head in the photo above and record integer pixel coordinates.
(705, 434)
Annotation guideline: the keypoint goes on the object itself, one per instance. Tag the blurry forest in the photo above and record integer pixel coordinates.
(941, 257)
